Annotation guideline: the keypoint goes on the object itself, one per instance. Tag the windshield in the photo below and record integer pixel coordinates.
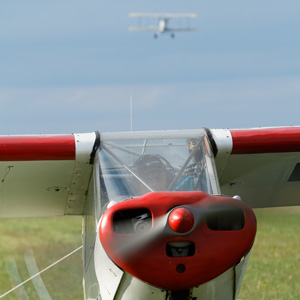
(132, 164)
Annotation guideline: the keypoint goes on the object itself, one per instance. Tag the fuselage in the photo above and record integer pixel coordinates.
(162, 230)
(162, 25)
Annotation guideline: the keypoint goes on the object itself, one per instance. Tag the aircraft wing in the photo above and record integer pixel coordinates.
(162, 15)
(48, 175)
(140, 28)
(156, 29)
(45, 175)
(261, 165)
(181, 29)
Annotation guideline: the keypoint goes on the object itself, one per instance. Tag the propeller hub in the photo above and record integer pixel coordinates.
(181, 220)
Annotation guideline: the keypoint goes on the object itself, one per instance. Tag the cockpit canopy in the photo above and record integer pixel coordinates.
(136, 163)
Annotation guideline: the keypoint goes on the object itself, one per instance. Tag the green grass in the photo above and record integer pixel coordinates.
(273, 270)
(49, 239)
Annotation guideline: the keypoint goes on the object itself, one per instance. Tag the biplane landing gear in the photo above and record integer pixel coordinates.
(172, 35)
(155, 36)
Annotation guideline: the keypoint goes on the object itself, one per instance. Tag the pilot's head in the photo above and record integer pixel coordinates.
(192, 144)
(152, 170)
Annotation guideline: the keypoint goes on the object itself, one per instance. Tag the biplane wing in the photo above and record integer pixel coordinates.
(144, 28)
(261, 165)
(156, 28)
(162, 15)
(44, 175)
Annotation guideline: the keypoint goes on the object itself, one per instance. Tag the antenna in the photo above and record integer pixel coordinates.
(130, 112)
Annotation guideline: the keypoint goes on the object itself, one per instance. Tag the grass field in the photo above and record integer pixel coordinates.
(273, 271)
(48, 239)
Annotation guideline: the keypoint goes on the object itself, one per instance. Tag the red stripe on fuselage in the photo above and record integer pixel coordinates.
(34, 148)
(266, 140)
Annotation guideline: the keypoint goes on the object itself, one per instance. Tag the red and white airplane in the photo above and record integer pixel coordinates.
(166, 214)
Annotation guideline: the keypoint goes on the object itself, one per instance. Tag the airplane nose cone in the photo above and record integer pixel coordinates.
(181, 220)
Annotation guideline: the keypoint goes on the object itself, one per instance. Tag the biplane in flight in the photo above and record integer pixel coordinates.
(167, 215)
(162, 25)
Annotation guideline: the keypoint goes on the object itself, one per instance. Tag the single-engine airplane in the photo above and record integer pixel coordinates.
(163, 23)
(167, 215)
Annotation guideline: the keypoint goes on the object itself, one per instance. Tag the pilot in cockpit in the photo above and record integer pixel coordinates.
(153, 171)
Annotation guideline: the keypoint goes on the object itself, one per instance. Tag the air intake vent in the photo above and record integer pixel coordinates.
(180, 249)
(132, 221)
(226, 218)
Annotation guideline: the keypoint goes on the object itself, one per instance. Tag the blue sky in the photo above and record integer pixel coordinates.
(71, 66)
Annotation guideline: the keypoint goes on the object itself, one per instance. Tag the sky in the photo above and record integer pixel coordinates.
(72, 66)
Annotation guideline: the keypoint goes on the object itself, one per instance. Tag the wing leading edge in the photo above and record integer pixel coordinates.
(261, 165)
(162, 15)
(48, 175)
(44, 175)
(156, 29)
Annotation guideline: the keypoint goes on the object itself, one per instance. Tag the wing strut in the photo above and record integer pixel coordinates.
(47, 268)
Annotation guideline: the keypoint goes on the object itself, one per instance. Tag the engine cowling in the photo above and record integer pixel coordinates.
(177, 240)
